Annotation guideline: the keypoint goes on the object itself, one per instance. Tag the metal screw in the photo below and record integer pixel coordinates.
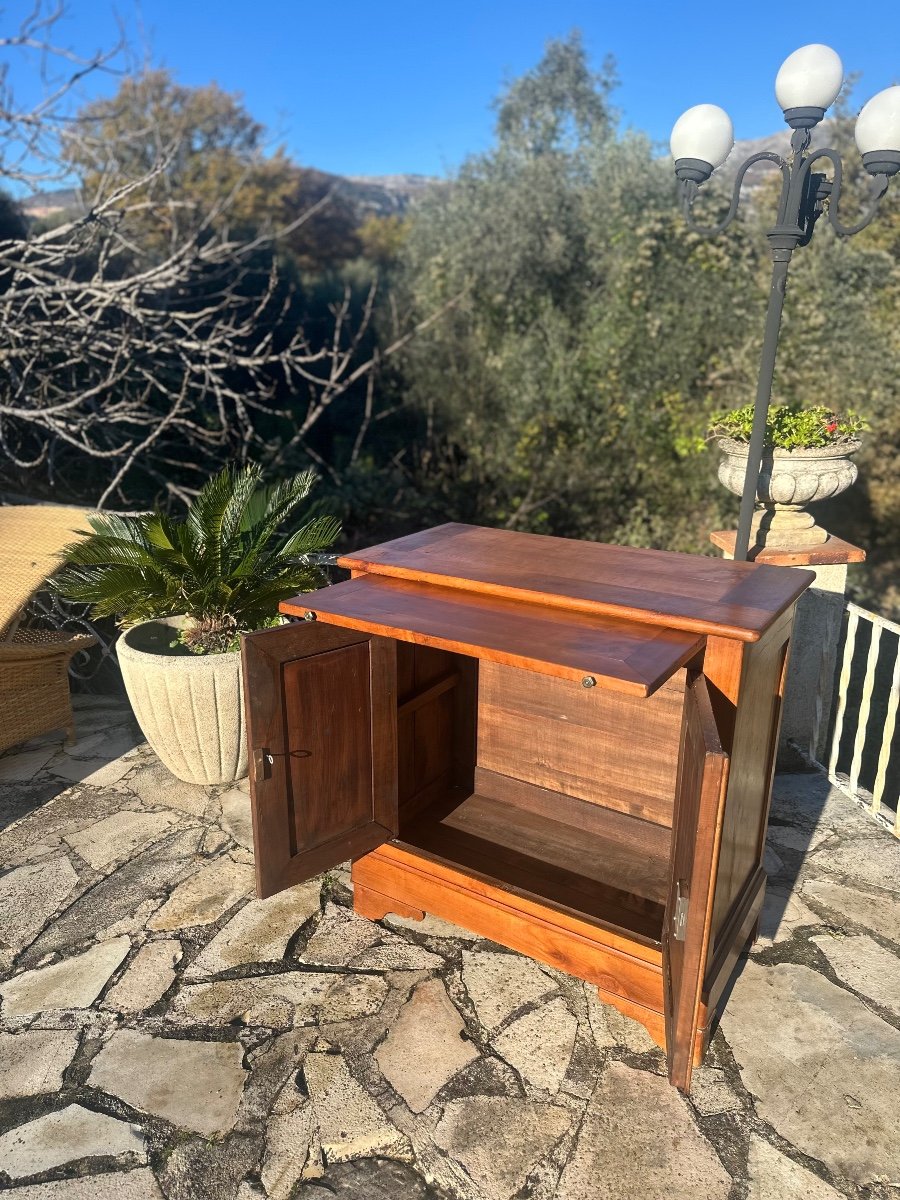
(309, 616)
(589, 681)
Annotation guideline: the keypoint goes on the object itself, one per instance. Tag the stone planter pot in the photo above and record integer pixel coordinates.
(189, 706)
(789, 480)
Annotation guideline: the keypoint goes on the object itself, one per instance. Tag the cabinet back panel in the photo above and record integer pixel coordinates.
(617, 751)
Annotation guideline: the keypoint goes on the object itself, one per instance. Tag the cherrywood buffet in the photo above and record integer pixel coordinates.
(563, 746)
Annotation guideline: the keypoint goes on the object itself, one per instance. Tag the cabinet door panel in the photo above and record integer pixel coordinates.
(696, 829)
(321, 709)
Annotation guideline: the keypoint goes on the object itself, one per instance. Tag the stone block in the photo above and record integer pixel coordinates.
(194, 1085)
(424, 1048)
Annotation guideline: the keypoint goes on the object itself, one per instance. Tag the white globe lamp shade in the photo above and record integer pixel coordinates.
(703, 136)
(807, 83)
(878, 132)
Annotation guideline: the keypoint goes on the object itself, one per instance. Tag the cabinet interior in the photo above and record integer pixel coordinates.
(526, 780)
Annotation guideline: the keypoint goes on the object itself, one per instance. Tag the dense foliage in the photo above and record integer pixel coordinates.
(225, 564)
(572, 388)
(790, 427)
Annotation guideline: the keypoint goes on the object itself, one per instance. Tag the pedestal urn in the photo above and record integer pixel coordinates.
(789, 480)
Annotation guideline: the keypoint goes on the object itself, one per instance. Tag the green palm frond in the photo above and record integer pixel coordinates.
(115, 525)
(226, 564)
(283, 501)
(122, 589)
(215, 515)
(316, 535)
(247, 485)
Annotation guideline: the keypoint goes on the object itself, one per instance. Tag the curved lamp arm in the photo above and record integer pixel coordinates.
(879, 187)
(690, 189)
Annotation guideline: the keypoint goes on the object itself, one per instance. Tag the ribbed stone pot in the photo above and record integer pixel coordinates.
(189, 706)
(789, 480)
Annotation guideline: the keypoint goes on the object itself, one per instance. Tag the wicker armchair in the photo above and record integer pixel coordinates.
(34, 663)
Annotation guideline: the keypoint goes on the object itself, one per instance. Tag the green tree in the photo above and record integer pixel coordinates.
(571, 389)
(206, 168)
(566, 385)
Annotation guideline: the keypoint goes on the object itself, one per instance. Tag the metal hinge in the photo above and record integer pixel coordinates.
(262, 764)
(679, 919)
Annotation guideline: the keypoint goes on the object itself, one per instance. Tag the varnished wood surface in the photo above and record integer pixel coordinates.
(755, 741)
(652, 587)
(696, 829)
(583, 948)
(639, 836)
(435, 721)
(617, 654)
(321, 710)
(611, 749)
(734, 940)
(592, 874)
(829, 553)
(626, 974)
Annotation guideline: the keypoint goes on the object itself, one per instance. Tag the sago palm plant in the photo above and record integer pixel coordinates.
(225, 565)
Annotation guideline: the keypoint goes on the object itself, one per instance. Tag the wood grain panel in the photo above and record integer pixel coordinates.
(618, 654)
(755, 741)
(328, 708)
(635, 835)
(654, 587)
(436, 726)
(323, 783)
(699, 807)
(734, 940)
(582, 741)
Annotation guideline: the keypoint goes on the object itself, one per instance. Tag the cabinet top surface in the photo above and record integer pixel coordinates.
(651, 587)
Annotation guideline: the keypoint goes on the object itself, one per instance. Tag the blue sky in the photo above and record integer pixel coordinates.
(387, 86)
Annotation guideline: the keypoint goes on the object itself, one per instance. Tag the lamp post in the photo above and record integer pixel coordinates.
(806, 85)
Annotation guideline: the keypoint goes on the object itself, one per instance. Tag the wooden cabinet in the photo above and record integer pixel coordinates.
(563, 746)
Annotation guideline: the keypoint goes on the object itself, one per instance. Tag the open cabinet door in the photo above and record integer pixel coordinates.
(696, 826)
(321, 712)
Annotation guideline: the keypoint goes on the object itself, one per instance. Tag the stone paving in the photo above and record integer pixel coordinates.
(164, 1034)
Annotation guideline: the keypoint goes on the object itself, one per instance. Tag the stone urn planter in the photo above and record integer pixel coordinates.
(189, 706)
(789, 480)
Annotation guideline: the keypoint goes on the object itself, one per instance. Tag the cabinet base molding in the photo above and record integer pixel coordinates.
(396, 880)
(375, 906)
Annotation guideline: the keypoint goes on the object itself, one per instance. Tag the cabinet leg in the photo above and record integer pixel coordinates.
(375, 906)
(654, 1022)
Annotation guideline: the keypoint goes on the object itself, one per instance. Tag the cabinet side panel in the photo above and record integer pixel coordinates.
(755, 740)
(436, 725)
(604, 747)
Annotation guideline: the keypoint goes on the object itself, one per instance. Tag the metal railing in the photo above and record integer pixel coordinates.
(860, 752)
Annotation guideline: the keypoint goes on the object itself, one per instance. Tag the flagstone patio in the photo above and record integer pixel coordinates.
(164, 1034)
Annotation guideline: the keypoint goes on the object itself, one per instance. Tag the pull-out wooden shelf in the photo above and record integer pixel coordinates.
(616, 654)
(564, 747)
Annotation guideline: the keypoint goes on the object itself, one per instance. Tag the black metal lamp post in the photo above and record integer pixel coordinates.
(807, 84)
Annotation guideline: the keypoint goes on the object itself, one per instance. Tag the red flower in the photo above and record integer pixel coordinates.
(831, 427)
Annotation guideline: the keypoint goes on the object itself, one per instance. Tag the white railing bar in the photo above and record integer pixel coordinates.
(875, 618)
(843, 685)
(887, 740)
(840, 782)
(865, 707)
